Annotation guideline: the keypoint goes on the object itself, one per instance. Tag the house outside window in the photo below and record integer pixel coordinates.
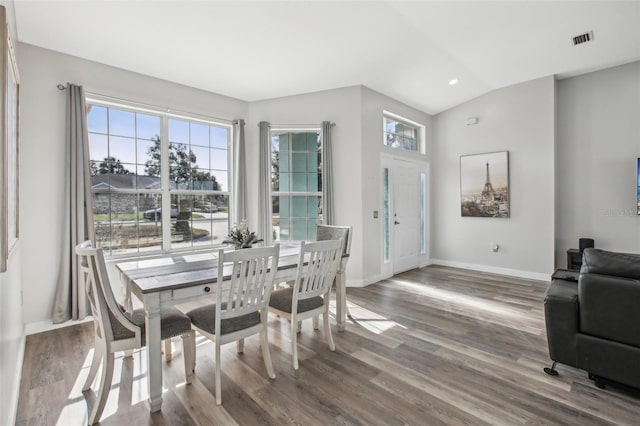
(296, 184)
(402, 133)
(147, 163)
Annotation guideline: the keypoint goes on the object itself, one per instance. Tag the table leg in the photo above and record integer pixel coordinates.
(126, 284)
(341, 301)
(154, 356)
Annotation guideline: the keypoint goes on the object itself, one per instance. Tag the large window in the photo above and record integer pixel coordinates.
(401, 133)
(159, 181)
(296, 183)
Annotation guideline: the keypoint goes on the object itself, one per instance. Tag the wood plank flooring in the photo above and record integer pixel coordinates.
(431, 346)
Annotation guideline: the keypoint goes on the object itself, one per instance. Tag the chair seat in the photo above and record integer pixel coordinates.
(204, 318)
(172, 323)
(283, 299)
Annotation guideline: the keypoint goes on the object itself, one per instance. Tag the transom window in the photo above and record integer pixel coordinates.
(296, 184)
(159, 182)
(401, 133)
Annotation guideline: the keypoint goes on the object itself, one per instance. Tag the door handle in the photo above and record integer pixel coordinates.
(395, 222)
(395, 219)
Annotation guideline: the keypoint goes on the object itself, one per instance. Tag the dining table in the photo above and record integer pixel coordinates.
(187, 277)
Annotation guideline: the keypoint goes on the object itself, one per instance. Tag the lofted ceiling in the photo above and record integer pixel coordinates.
(408, 50)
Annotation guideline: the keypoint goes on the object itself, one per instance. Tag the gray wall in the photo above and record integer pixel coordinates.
(11, 323)
(518, 119)
(598, 116)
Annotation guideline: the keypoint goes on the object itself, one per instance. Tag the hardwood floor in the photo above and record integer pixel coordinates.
(431, 346)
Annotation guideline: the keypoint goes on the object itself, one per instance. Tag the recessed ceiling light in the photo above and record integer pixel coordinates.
(452, 82)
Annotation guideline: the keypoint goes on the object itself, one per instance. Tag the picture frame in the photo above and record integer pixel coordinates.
(484, 185)
(10, 145)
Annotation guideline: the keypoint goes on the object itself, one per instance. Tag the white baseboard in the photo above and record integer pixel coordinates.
(17, 377)
(42, 326)
(494, 270)
(366, 281)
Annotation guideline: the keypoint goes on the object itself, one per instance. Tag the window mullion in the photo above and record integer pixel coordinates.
(164, 179)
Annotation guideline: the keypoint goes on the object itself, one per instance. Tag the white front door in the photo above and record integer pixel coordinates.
(407, 213)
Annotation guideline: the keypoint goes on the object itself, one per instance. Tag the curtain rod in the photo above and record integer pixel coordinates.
(296, 126)
(133, 104)
(276, 126)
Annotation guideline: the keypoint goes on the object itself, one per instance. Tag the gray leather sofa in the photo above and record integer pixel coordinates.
(594, 324)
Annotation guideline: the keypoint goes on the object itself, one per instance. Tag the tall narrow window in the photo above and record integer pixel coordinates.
(423, 213)
(385, 215)
(141, 159)
(296, 183)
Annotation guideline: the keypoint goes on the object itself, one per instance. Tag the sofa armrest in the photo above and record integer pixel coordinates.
(561, 318)
(610, 307)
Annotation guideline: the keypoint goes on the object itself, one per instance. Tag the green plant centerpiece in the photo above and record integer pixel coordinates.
(241, 237)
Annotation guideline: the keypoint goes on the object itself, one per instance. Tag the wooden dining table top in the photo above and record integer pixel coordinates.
(180, 270)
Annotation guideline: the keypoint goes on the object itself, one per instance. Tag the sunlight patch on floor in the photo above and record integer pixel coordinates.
(369, 320)
(465, 301)
(75, 410)
(77, 407)
(139, 391)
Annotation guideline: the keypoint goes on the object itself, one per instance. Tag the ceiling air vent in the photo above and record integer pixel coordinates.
(583, 38)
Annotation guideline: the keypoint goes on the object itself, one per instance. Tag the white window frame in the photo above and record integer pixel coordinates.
(280, 130)
(166, 191)
(421, 128)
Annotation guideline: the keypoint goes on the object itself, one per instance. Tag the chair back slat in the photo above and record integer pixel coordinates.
(249, 287)
(322, 260)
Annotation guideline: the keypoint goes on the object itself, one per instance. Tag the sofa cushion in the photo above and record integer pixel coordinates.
(604, 262)
(609, 308)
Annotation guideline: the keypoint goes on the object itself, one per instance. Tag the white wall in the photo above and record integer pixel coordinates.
(519, 119)
(11, 323)
(598, 145)
(43, 143)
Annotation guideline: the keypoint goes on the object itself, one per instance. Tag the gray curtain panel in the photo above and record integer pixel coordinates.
(239, 205)
(327, 174)
(264, 184)
(70, 298)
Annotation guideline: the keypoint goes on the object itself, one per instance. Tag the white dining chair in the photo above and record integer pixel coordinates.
(335, 232)
(116, 330)
(309, 296)
(241, 303)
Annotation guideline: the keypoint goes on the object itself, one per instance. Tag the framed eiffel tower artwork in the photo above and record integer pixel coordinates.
(484, 184)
